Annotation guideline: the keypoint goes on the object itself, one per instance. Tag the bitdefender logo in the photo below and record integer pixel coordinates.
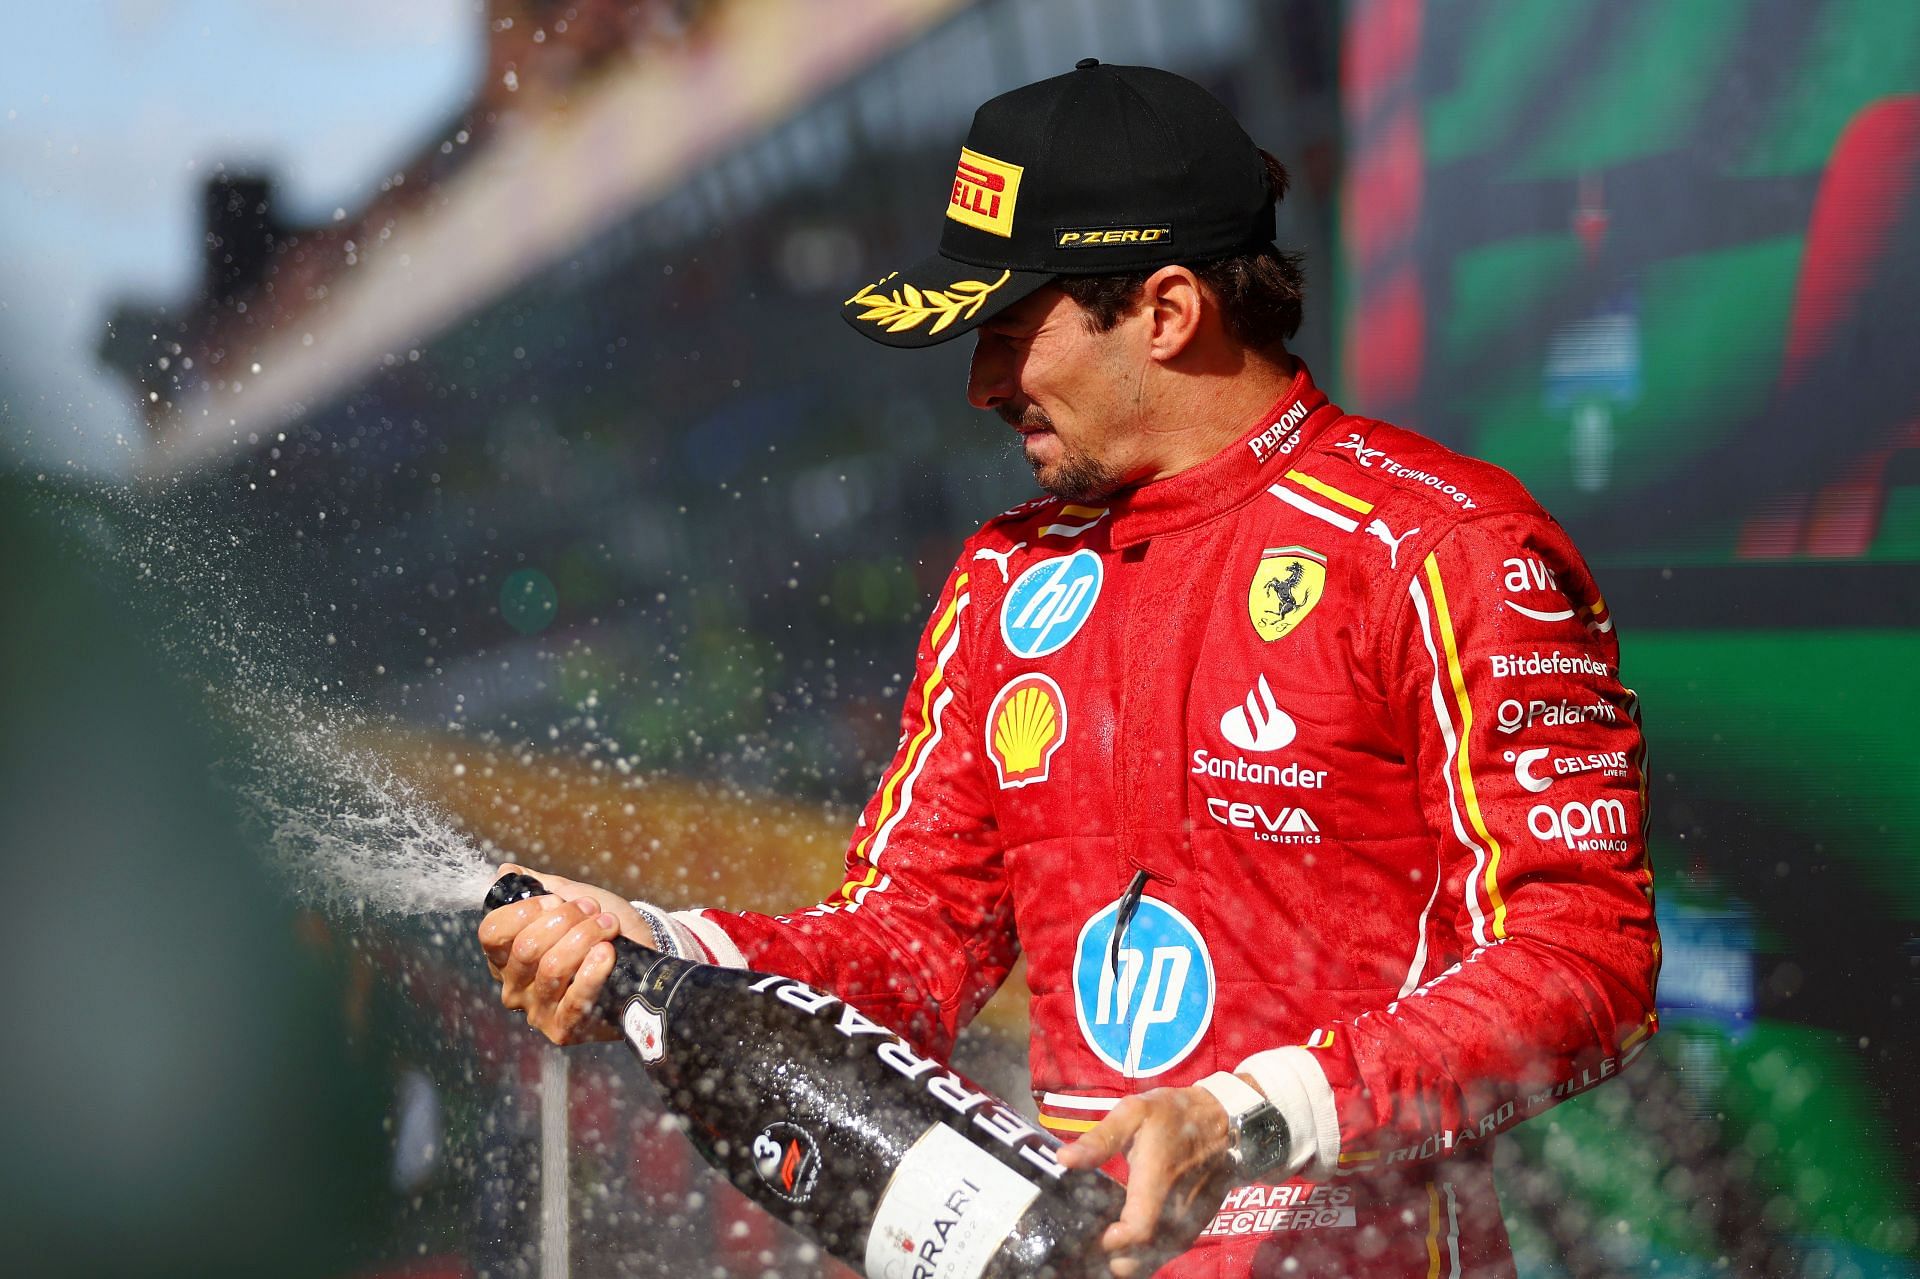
(1258, 724)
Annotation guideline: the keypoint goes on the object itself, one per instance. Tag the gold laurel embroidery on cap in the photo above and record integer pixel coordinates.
(908, 308)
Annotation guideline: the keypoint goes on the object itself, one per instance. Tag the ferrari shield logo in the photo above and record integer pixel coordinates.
(1286, 586)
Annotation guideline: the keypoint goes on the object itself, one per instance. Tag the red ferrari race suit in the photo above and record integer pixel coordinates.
(1343, 708)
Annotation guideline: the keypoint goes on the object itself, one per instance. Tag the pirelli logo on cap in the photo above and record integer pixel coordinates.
(984, 192)
(1100, 237)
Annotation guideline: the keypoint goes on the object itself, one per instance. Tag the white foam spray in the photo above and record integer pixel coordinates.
(346, 831)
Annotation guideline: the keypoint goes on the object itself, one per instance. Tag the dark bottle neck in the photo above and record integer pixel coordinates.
(637, 969)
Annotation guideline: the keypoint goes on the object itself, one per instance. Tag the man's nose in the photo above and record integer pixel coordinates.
(990, 375)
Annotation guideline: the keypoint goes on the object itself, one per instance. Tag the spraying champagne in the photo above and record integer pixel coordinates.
(840, 1128)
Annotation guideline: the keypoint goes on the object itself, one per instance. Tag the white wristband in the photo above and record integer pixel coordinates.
(1235, 1095)
(1295, 1084)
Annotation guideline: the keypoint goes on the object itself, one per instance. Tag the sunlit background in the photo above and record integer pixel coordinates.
(427, 426)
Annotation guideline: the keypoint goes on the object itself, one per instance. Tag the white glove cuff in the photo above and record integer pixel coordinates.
(1293, 1081)
(1234, 1094)
(689, 934)
(719, 947)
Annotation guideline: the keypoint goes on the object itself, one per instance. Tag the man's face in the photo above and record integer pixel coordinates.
(1070, 392)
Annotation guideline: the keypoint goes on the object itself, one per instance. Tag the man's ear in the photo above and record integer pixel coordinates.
(1174, 304)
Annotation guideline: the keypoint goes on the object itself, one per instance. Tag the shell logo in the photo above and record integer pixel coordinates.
(1025, 726)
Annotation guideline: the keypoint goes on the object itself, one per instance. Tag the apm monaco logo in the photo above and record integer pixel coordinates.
(1595, 826)
(788, 1159)
(984, 192)
(1026, 724)
(1048, 604)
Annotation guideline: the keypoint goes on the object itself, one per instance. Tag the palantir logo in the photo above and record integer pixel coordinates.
(1258, 725)
(1146, 1017)
(1047, 605)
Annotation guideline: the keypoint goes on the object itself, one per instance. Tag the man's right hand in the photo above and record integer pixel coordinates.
(551, 954)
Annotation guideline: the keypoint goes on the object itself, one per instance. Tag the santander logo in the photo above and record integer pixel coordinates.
(1258, 725)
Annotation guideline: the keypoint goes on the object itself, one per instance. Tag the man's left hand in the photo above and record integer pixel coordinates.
(1175, 1141)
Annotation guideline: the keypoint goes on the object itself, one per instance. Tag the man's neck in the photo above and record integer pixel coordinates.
(1213, 411)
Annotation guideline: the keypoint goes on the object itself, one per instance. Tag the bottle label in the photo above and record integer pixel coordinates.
(642, 1027)
(946, 1212)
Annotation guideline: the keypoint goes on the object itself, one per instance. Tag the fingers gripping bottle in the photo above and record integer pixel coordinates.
(837, 1126)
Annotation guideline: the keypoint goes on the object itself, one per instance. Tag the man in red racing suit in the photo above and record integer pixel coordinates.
(1329, 727)
(1351, 702)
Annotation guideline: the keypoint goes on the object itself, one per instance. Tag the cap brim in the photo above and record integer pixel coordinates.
(936, 299)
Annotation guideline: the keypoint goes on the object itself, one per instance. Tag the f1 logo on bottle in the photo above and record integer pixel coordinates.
(1049, 603)
(1147, 1015)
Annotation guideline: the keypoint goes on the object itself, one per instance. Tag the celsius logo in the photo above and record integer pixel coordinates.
(1606, 763)
(1258, 725)
(788, 1160)
(1596, 827)
(1146, 1018)
(1048, 604)
(1522, 763)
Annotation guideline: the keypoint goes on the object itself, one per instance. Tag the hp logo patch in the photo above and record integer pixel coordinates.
(1047, 604)
(1145, 1018)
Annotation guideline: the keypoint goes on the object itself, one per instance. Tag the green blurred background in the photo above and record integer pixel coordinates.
(542, 457)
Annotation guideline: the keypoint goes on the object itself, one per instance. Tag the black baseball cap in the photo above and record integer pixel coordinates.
(1104, 169)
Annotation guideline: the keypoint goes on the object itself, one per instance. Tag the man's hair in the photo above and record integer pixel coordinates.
(1259, 292)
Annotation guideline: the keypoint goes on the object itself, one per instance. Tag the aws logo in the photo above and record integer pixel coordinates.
(1147, 1015)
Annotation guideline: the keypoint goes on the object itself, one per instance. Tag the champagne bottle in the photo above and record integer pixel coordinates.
(840, 1128)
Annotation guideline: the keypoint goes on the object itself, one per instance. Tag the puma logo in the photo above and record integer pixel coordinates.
(999, 557)
(1379, 529)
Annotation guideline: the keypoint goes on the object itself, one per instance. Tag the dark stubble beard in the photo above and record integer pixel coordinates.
(1075, 477)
